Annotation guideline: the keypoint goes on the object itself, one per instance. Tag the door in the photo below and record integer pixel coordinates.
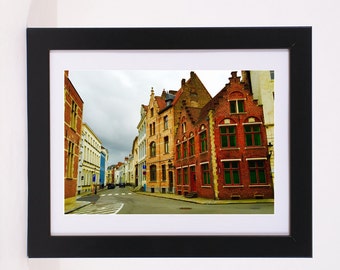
(192, 179)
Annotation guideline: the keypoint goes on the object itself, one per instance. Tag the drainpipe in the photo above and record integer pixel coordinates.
(213, 154)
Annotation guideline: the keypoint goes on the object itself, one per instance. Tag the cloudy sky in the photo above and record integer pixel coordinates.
(113, 98)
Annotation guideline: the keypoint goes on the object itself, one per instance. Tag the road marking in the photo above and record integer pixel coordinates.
(109, 194)
(102, 195)
(129, 193)
(120, 208)
(116, 194)
(123, 193)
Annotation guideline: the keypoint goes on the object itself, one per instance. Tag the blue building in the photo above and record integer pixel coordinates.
(104, 155)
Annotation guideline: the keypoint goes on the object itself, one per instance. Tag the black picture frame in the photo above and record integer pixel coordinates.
(40, 41)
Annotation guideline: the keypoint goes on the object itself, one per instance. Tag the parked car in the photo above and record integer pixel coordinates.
(121, 184)
(111, 186)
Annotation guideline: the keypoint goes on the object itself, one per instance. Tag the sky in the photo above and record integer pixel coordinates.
(113, 99)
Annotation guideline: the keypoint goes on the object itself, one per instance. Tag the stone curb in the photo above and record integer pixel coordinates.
(203, 200)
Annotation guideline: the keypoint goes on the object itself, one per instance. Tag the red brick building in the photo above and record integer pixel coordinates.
(221, 150)
(73, 115)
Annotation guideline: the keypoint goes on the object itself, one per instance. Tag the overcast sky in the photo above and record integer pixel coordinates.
(113, 98)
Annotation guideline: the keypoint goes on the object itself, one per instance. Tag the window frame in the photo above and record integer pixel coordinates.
(253, 134)
(228, 135)
(237, 106)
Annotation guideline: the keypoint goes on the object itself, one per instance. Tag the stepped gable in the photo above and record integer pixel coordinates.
(192, 112)
(192, 86)
(234, 79)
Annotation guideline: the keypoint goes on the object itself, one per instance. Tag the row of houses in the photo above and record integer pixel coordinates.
(85, 156)
(188, 143)
(193, 144)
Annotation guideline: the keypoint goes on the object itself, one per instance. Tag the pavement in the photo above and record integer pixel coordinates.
(86, 199)
(203, 200)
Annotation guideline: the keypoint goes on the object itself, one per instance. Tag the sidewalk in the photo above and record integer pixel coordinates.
(80, 202)
(203, 200)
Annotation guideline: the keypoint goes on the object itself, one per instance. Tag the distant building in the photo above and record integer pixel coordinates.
(110, 178)
(104, 156)
(73, 115)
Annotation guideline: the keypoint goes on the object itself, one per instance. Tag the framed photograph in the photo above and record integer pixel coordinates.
(169, 142)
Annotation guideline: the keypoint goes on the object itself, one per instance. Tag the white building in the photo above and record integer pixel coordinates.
(89, 163)
(142, 147)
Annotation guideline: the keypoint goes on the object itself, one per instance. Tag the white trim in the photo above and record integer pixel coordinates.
(192, 165)
(259, 158)
(205, 162)
(186, 166)
(252, 123)
(231, 159)
(227, 125)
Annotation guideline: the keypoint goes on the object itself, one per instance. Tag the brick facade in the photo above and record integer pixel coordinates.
(73, 114)
(231, 154)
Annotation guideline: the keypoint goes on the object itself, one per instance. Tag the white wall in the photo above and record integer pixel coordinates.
(14, 16)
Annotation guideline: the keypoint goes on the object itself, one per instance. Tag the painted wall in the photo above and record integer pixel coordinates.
(15, 15)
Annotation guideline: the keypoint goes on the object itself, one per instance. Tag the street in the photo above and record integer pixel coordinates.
(124, 201)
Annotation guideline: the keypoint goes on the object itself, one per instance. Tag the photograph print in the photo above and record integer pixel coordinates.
(168, 142)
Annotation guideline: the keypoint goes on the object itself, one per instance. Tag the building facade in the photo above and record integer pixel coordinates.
(89, 175)
(262, 87)
(162, 120)
(141, 127)
(222, 149)
(104, 156)
(73, 115)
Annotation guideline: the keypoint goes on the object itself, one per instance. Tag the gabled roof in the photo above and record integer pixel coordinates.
(160, 102)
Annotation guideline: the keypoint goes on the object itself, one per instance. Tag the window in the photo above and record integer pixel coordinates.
(153, 173)
(166, 145)
(228, 136)
(153, 149)
(73, 115)
(178, 151)
(185, 149)
(236, 106)
(166, 122)
(253, 135)
(203, 141)
(185, 176)
(163, 173)
(231, 172)
(184, 127)
(179, 177)
(272, 74)
(152, 129)
(192, 146)
(151, 112)
(70, 160)
(205, 174)
(257, 172)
